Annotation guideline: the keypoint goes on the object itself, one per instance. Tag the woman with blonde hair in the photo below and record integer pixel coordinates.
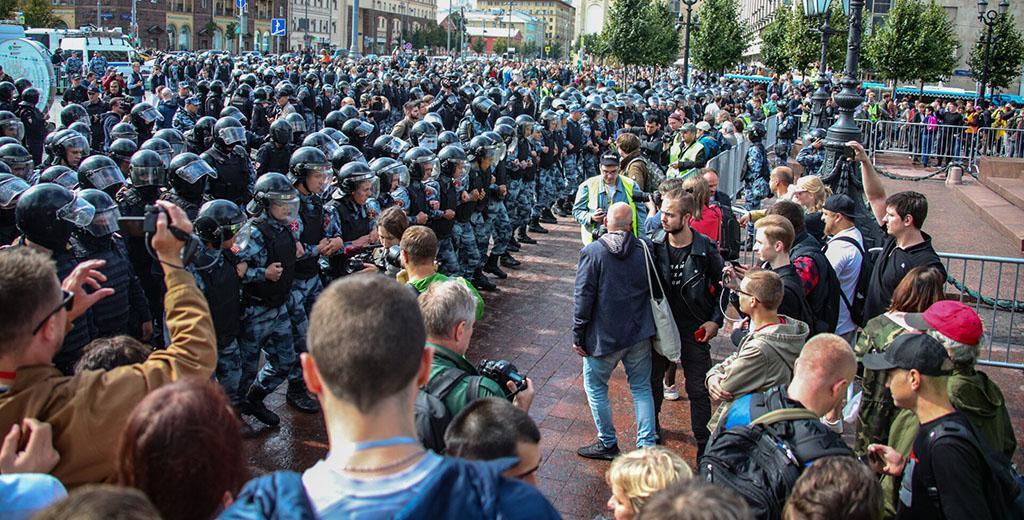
(636, 475)
(810, 193)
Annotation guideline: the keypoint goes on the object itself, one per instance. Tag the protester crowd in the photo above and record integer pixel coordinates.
(185, 242)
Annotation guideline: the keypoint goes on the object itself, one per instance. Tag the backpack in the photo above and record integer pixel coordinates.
(729, 237)
(1005, 489)
(758, 460)
(654, 176)
(827, 316)
(860, 294)
(432, 416)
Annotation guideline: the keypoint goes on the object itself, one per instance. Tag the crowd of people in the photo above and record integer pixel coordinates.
(184, 242)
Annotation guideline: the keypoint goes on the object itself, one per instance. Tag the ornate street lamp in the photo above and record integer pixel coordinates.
(989, 17)
(689, 24)
(814, 9)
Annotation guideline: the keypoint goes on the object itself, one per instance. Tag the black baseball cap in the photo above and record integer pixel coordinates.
(842, 204)
(908, 351)
(609, 159)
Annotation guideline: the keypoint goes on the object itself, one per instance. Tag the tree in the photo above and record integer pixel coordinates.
(528, 50)
(38, 13)
(803, 43)
(556, 50)
(722, 38)
(774, 54)
(478, 45)
(640, 32)
(500, 46)
(939, 45)
(593, 45)
(895, 49)
(1005, 57)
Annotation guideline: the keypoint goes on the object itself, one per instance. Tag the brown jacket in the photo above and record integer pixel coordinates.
(636, 171)
(89, 410)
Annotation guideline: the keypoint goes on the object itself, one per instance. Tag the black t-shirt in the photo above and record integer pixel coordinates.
(955, 471)
(891, 266)
(677, 257)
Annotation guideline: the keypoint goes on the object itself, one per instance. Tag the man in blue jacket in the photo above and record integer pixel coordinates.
(613, 322)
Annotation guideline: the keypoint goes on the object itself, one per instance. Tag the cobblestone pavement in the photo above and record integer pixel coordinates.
(529, 323)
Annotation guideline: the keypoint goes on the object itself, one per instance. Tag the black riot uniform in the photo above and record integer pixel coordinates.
(235, 172)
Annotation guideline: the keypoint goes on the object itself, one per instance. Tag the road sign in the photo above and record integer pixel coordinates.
(407, 46)
(19, 17)
(240, 3)
(547, 49)
(277, 27)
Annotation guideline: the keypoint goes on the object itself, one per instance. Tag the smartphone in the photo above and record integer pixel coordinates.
(700, 334)
(734, 263)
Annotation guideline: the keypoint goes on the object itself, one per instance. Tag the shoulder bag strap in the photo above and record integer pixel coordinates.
(445, 381)
(649, 261)
(785, 414)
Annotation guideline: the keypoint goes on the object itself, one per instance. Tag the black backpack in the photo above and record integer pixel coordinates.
(729, 245)
(432, 416)
(759, 460)
(826, 314)
(860, 294)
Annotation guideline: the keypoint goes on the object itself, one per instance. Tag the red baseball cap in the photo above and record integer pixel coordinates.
(950, 318)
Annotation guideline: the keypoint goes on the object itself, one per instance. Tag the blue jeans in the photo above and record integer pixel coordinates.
(636, 360)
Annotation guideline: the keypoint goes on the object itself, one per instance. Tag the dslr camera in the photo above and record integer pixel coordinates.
(501, 371)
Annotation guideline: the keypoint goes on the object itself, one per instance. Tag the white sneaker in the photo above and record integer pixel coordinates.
(671, 394)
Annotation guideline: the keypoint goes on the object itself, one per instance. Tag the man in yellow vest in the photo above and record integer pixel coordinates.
(694, 156)
(598, 193)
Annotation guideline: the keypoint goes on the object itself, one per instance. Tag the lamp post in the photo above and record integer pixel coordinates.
(989, 17)
(816, 8)
(686, 44)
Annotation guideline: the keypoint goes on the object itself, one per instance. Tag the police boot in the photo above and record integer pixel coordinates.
(253, 405)
(243, 427)
(299, 399)
(523, 238)
(547, 217)
(508, 261)
(513, 245)
(481, 282)
(534, 226)
(559, 208)
(492, 267)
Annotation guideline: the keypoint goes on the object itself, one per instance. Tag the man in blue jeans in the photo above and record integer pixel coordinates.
(612, 323)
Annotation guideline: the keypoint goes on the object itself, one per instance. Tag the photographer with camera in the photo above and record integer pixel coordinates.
(598, 193)
(418, 250)
(450, 309)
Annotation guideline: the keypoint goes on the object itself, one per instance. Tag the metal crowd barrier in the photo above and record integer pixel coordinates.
(729, 164)
(926, 143)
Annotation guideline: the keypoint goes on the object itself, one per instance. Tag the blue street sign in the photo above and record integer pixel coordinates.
(277, 26)
(240, 4)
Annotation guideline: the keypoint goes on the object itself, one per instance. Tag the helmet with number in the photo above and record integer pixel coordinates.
(756, 132)
(60, 174)
(274, 189)
(387, 168)
(422, 163)
(145, 115)
(346, 153)
(104, 220)
(351, 176)
(424, 134)
(47, 212)
(124, 131)
(11, 125)
(334, 119)
(147, 168)
(18, 159)
(335, 134)
(123, 150)
(161, 147)
(218, 220)
(299, 128)
(434, 119)
(173, 137)
(102, 173)
(481, 147)
(11, 187)
(482, 107)
(83, 129)
(448, 138)
(228, 132)
(388, 145)
(73, 113)
(188, 175)
(70, 147)
(321, 141)
(452, 159)
(307, 161)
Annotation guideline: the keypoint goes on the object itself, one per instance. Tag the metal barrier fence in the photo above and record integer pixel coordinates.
(729, 164)
(939, 143)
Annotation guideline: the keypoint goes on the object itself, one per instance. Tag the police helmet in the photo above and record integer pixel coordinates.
(72, 113)
(321, 141)
(60, 174)
(46, 213)
(424, 134)
(18, 159)
(228, 132)
(173, 137)
(11, 125)
(104, 220)
(218, 220)
(147, 168)
(387, 168)
(11, 187)
(161, 147)
(123, 149)
(308, 161)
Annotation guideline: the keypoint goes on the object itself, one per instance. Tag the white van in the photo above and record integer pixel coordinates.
(113, 46)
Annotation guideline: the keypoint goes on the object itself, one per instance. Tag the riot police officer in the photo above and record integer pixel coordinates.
(476, 122)
(148, 174)
(189, 179)
(102, 173)
(235, 172)
(274, 154)
(354, 182)
(144, 116)
(200, 137)
(451, 163)
(11, 187)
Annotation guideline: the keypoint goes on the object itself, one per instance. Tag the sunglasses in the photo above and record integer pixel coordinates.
(67, 303)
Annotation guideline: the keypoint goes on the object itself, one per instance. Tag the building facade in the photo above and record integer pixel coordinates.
(590, 16)
(382, 23)
(312, 24)
(559, 19)
(495, 24)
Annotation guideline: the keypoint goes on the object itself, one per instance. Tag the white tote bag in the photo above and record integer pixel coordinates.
(667, 342)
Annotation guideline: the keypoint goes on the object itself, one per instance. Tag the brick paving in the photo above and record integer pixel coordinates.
(529, 323)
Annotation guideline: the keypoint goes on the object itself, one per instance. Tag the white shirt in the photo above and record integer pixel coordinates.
(846, 260)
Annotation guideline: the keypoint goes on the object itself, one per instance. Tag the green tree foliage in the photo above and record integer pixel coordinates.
(916, 42)
(478, 45)
(838, 21)
(1006, 55)
(229, 31)
(803, 42)
(38, 13)
(556, 50)
(500, 46)
(774, 54)
(594, 45)
(939, 45)
(638, 32)
(722, 38)
(528, 50)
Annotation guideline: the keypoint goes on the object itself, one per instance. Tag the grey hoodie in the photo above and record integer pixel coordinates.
(764, 359)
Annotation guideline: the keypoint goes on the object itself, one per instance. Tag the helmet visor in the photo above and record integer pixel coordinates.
(298, 125)
(150, 115)
(364, 129)
(318, 171)
(429, 142)
(68, 179)
(147, 176)
(78, 212)
(76, 142)
(401, 171)
(166, 156)
(105, 177)
(500, 151)
(21, 167)
(10, 189)
(177, 148)
(329, 147)
(289, 202)
(232, 135)
(17, 126)
(104, 222)
(195, 170)
(242, 235)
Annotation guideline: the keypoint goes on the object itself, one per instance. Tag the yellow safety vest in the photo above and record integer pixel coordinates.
(690, 154)
(594, 189)
(676, 148)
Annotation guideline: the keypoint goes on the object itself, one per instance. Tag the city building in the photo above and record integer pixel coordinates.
(494, 25)
(382, 23)
(590, 16)
(559, 19)
(312, 24)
